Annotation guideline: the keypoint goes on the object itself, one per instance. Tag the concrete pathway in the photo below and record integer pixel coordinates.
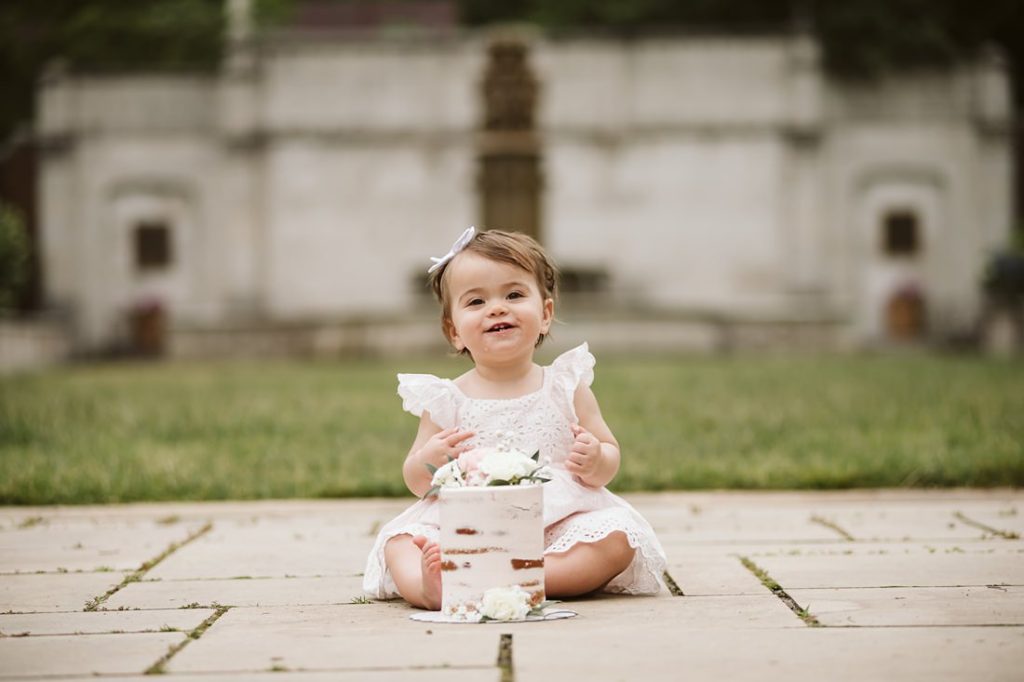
(863, 585)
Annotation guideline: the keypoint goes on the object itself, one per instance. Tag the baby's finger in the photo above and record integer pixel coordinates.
(577, 458)
(444, 433)
(456, 438)
(583, 438)
(580, 447)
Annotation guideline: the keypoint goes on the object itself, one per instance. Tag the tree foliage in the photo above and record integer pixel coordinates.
(108, 36)
(859, 39)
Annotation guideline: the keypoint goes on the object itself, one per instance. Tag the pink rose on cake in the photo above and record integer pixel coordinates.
(469, 462)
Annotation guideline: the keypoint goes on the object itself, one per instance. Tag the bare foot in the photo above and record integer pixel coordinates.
(431, 567)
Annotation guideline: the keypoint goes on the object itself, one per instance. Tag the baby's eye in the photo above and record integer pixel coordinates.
(516, 294)
(474, 301)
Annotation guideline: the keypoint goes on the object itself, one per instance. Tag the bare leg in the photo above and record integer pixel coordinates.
(586, 566)
(415, 565)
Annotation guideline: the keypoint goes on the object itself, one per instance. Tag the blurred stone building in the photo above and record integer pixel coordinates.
(699, 192)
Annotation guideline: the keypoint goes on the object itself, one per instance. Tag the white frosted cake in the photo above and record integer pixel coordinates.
(491, 537)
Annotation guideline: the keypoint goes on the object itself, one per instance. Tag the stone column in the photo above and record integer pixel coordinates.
(803, 220)
(509, 180)
(242, 225)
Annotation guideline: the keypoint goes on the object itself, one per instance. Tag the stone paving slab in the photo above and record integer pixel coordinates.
(737, 525)
(386, 508)
(87, 544)
(272, 548)
(491, 674)
(920, 521)
(894, 570)
(728, 627)
(712, 574)
(1007, 517)
(335, 637)
(656, 613)
(173, 594)
(918, 549)
(837, 655)
(100, 622)
(82, 654)
(360, 512)
(808, 499)
(60, 592)
(888, 606)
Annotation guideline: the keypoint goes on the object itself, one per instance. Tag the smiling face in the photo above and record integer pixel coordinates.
(497, 312)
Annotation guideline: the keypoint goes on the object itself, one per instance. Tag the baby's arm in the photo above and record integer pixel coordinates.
(433, 445)
(595, 457)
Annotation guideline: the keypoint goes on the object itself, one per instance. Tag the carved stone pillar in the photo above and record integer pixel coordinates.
(509, 179)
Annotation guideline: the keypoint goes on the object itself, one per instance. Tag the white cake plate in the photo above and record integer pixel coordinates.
(438, 617)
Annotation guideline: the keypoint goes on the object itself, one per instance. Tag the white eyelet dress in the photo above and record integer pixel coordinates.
(541, 421)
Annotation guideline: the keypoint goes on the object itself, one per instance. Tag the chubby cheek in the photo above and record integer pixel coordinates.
(451, 331)
(459, 329)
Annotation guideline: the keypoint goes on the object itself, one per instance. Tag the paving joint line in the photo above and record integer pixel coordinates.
(1008, 535)
(776, 589)
(64, 571)
(158, 667)
(673, 586)
(832, 525)
(505, 658)
(81, 633)
(136, 576)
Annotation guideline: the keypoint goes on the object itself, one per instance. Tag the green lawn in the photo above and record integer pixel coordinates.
(122, 432)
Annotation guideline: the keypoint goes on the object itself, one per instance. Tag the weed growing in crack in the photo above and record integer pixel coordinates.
(769, 582)
(671, 584)
(159, 668)
(146, 566)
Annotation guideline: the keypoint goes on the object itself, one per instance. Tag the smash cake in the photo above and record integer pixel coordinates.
(491, 538)
(492, 535)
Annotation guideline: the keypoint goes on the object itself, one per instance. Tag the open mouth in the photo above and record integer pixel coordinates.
(500, 327)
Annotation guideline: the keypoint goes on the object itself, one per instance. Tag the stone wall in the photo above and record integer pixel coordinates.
(702, 176)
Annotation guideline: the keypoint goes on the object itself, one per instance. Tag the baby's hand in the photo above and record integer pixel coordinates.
(444, 446)
(585, 456)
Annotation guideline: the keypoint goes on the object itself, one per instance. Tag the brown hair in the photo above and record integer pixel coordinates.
(514, 248)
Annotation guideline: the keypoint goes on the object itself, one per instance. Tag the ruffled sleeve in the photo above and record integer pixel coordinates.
(437, 396)
(569, 371)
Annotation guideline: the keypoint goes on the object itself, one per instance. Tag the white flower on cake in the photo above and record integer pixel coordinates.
(447, 476)
(505, 603)
(506, 466)
(499, 465)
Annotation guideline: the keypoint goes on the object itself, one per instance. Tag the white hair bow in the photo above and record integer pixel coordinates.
(459, 245)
